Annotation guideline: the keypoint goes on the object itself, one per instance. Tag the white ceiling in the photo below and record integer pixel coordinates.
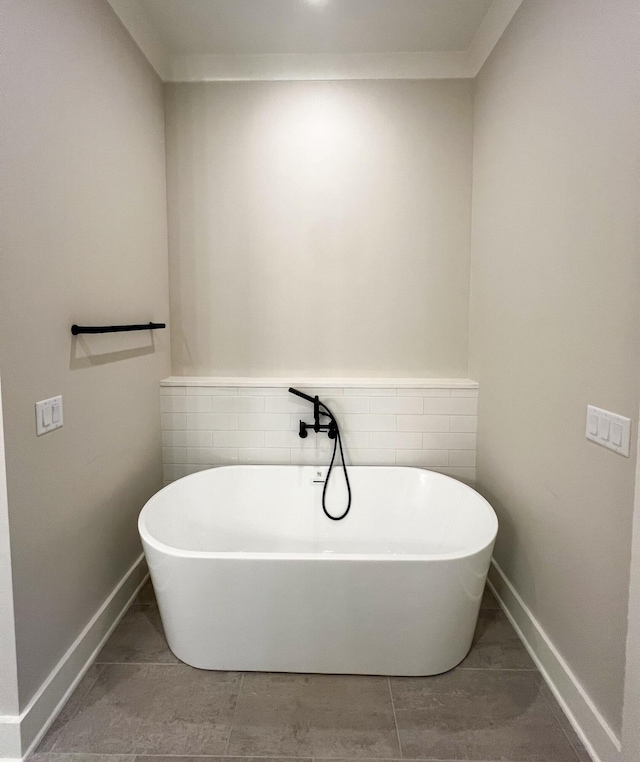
(193, 40)
(250, 27)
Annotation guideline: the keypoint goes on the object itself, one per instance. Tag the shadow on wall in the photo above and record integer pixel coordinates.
(99, 349)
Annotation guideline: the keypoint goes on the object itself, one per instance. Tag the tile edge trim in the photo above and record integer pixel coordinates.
(364, 383)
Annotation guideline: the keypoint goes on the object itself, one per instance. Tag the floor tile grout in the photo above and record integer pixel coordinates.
(395, 719)
(492, 669)
(252, 756)
(149, 664)
(233, 716)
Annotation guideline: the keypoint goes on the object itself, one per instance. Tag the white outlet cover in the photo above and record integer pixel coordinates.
(48, 415)
(609, 430)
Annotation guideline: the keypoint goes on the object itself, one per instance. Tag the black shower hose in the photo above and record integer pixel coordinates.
(337, 442)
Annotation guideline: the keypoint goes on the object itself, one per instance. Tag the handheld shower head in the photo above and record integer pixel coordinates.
(303, 395)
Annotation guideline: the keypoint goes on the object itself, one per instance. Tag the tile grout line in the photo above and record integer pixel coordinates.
(142, 664)
(253, 756)
(497, 669)
(235, 756)
(395, 718)
(78, 708)
(233, 716)
(135, 756)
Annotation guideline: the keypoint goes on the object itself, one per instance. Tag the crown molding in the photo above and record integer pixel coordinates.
(144, 34)
(295, 66)
(491, 29)
(191, 67)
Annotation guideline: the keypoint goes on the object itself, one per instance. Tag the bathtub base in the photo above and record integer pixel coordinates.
(352, 617)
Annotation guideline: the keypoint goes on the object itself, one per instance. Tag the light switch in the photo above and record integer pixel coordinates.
(616, 434)
(48, 415)
(609, 430)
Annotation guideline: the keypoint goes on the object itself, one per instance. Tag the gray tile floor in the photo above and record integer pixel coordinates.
(138, 703)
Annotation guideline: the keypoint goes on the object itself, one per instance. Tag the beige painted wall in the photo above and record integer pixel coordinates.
(83, 240)
(8, 662)
(555, 296)
(631, 714)
(319, 228)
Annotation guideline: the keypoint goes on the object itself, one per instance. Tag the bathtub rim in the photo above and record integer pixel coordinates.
(161, 547)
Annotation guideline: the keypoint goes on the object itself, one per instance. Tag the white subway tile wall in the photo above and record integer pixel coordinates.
(429, 426)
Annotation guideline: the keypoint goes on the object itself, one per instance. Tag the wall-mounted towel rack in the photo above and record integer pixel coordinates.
(76, 329)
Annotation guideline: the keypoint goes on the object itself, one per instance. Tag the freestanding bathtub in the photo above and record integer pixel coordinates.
(251, 575)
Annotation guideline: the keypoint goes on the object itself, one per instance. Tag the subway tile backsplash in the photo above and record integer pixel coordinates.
(406, 422)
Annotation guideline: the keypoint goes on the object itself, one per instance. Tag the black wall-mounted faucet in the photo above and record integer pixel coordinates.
(333, 432)
(331, 428)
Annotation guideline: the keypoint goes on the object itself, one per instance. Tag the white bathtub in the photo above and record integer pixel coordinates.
(250, 574)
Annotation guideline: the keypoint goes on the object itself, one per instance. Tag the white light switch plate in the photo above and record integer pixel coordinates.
(48, 415)
(609, 430)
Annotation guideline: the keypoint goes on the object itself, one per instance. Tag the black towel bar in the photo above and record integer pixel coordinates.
(76, 329)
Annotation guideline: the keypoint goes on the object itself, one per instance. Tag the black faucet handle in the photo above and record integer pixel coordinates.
(303, 430)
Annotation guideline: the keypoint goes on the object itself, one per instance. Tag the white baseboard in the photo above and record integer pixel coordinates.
(9, 738)
(599, 739)
(22, 733)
